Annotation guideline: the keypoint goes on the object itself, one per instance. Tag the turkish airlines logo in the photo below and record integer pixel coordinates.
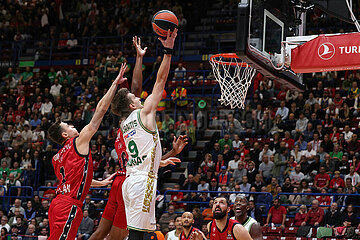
(326, 51)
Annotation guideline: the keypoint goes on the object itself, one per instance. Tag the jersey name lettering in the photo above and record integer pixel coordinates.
(136, 161)
(130, 125)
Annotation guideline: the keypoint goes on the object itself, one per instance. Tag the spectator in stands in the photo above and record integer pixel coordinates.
(90, 207)
(349, 217)
(176, 197)
(301, 124)
(322, 180)
(307, 199)
(354, 176)
(336, 182)
(86, 227)
(294, 200)
(43, 211)
(265, 198)
(30, 233)
(219, 164)
(280, 163)
(271, 188)
(347, 133)
(225, 141)
(203, 186)
(17, 204)
(297, 176)
(178, 95)
(315, 215)
(239, 172)
(251, 172)
(333, 217)
(300, 216)
(309, 153)
(207, 213)
(258, 183)
(224, 176)
(233, 164)
(265, 151)
(265, 169)
(4, 223)
(29, 212)
(277, 214)
(245, 185)
(166, 217)
(180, 72)
(282, 111)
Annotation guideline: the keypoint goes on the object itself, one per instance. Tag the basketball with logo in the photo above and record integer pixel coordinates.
(164, 20)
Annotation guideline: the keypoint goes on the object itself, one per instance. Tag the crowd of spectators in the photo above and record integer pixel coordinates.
(283, 142)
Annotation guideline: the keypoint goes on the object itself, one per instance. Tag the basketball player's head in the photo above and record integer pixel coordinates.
(221, 208)
(240, 206)
(187, 220)
(178, 223)
(60, 131)
(125, 102)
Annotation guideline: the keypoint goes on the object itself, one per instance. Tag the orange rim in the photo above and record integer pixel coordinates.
(227, 55)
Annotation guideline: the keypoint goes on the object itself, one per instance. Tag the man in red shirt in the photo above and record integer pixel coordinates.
(315, 215)
(277, 214)
(289, 142)
(322, 180)
(336, 182)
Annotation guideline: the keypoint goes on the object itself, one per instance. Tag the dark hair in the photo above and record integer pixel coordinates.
(55, 131)
(177, 218)
(120, 103)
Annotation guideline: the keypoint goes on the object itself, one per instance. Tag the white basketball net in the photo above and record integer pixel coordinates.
(234, 79)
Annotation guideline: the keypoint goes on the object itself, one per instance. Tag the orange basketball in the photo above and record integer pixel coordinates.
(164, 20)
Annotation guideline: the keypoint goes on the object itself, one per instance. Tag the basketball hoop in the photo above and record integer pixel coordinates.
(234, 77)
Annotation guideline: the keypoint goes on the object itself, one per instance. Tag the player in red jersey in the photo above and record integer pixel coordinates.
(189, 232)
(222, 227)
(74, 168)
(113, 220)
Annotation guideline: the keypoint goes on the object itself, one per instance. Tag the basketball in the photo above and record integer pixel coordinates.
(164, 20)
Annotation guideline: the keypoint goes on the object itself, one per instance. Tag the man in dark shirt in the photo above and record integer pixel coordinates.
(333, 216)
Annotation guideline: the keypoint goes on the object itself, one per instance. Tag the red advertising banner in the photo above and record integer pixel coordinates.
(327, 53)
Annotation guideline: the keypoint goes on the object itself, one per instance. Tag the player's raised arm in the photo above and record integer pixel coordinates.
(82, 142)
(137, 78)
(153, 100)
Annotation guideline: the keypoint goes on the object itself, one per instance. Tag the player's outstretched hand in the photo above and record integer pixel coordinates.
(197, 235)
(180, 143)
(120, 78)
(137, 44)
(108, 180)
(169, 161)
(170, 39)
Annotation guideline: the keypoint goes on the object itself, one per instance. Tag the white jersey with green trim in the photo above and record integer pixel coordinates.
(248, 223)
(142, 146)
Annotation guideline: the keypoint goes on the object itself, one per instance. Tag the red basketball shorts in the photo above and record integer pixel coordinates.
(65, 216)
(115, 207)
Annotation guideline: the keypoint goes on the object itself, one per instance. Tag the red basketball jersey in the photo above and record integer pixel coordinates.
(120, 149)
(182, 234)
(226, 233)
(74, 171)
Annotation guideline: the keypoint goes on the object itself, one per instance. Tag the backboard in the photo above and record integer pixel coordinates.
(262, 26)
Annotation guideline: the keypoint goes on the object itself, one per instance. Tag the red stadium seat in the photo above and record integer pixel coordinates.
(289, 222)
(273, 231)
(291, 231)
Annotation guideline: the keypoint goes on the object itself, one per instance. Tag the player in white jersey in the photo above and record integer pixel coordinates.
(143, 147)
(251, 225)
(175, 234)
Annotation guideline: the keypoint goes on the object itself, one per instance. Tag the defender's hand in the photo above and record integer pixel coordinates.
(137, 44)
(179, 144)
(120, 78)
